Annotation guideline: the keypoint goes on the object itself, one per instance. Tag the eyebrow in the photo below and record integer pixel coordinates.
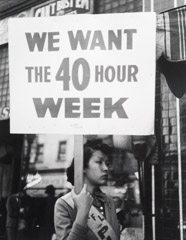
(102, 158)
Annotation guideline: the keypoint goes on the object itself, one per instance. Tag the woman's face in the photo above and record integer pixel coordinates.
(96, 173)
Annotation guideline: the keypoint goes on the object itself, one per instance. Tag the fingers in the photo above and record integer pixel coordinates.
(73, 193)
(84, 189)
(90, 196)
(83, 200)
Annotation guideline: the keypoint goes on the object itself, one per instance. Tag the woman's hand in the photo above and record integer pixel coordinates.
(83, 202)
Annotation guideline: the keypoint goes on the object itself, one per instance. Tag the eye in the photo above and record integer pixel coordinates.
(107, 163)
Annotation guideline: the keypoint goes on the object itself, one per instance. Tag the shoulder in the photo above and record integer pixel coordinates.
(65, 201)
(64, 209)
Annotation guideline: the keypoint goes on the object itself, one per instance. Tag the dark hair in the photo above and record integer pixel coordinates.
(50, 190)
(88, 149)
(94, 145)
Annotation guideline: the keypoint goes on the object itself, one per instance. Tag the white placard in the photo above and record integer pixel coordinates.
(83, 74)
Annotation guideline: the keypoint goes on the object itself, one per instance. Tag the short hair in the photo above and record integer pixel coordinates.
(94, 145)
(89, 148)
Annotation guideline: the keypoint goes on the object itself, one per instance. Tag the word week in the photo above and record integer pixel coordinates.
(74, 108)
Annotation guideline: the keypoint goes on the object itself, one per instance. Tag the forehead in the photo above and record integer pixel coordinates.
(97, 154)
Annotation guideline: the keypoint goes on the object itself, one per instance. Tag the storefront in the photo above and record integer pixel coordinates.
(14, 158)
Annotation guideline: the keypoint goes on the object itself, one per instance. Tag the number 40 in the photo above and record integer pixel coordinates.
(63, 74)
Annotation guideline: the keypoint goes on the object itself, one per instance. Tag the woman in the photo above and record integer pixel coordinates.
(91, 214)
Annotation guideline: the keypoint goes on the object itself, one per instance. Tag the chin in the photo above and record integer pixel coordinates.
(103, 182)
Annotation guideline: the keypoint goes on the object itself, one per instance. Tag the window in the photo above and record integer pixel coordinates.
(62, 151)
(4, 77)
(39, 153)
(113, 6)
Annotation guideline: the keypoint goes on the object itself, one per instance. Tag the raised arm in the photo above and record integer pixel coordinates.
(71, 224)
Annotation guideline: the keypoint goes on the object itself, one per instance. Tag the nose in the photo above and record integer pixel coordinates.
(104, 167)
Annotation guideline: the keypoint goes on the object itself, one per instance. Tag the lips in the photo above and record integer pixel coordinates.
(104, 177)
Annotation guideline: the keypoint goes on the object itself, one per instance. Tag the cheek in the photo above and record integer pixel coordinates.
(93, 172)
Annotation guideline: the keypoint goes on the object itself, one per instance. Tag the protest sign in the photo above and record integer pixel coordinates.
(83, 74)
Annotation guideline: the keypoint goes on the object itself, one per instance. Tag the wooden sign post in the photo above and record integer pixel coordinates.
(78, 163)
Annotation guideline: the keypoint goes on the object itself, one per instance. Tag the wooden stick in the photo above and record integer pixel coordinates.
(78, 163)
